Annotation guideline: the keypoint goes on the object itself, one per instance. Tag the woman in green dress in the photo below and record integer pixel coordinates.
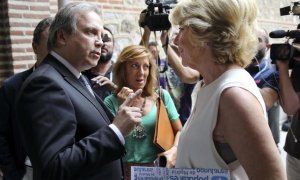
(134, 69)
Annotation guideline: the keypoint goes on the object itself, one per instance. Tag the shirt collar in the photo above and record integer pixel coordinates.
(66, 64)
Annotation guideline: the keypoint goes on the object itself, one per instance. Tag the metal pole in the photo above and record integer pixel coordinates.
(61, 3)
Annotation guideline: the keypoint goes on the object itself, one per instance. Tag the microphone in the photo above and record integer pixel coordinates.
(282, 33)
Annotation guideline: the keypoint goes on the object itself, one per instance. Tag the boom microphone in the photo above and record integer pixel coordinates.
(282, 33)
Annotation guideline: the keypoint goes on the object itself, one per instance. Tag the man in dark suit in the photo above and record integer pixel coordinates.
(12, 153)
(68, 131)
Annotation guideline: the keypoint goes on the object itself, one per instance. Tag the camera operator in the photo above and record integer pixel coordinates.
(101, 75)
(166, 76)
(290, 100)
(178, 79)
(266, 78)
(187, 75)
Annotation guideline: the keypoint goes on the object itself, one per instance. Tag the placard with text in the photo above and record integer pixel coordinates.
(160, 173)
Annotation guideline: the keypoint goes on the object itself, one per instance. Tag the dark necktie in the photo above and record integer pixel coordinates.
(86, 84)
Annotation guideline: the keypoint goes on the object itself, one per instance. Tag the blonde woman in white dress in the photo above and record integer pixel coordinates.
(228, 128)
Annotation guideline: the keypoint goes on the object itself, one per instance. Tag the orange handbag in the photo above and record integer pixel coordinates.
(164, 135)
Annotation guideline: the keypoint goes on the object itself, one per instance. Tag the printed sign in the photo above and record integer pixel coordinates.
(159, 173)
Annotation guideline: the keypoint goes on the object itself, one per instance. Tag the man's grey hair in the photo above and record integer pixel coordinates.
(66, 19)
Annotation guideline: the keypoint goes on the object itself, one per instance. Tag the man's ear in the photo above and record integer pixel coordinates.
(34, 47)
(268, 46)
(61, 37)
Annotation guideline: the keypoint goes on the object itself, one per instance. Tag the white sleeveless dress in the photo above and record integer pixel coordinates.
(196, 147)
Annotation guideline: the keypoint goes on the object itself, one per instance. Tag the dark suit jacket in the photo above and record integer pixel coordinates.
(65, 128)
(12, 153)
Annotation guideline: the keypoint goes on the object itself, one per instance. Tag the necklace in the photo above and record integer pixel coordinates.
(143, 105)
(139, 132)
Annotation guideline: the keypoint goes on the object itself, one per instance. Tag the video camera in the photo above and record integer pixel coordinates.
(157, 14)
(286, 51)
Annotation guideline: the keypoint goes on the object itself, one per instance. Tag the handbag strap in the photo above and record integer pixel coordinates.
(161, 94)
(158, 104)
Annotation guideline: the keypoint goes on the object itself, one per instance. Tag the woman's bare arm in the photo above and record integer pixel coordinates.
(242, 122)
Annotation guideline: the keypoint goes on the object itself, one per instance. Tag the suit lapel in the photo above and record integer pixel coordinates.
(107, 111)
(73, 81)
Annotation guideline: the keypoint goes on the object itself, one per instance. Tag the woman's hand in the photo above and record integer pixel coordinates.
(104, 81)
(170, 155)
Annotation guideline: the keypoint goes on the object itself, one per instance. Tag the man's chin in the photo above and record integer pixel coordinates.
(92, 63)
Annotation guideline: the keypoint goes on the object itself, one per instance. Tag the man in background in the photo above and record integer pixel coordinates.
(290, 101)
(13, 161)
(101, 75)
(267, 79)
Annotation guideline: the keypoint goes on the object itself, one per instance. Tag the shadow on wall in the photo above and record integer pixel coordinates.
(6, 60)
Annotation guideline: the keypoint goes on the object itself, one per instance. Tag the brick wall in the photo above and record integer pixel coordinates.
(5, 42)
(19, 17)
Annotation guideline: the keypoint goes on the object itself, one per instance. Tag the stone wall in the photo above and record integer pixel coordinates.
(270, 19)
(19, 17)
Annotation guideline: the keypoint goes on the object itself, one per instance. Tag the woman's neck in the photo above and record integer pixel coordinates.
(213, 73)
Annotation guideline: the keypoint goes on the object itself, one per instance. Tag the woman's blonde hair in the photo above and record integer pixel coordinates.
(128, 54)
(229, 26)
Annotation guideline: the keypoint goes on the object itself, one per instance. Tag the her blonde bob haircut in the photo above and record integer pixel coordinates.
(128, 54)
(229, 26)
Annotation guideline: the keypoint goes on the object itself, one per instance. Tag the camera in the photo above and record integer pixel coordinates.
(156, 16)
(285, 51)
